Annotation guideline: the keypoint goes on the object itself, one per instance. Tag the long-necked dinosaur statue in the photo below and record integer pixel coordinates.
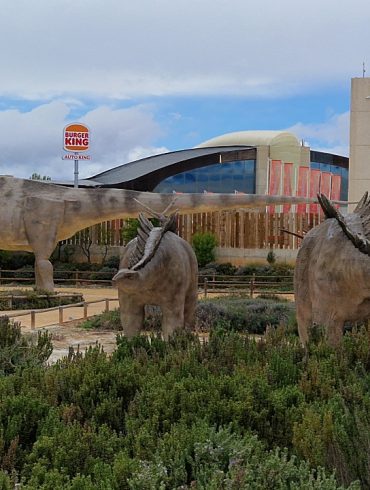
(35, 215)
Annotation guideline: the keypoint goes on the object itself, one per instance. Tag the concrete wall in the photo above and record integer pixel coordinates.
(359, 155)
(236, 256)
(244, 256)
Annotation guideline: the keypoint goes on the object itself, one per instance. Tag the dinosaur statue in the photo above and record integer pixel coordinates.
(157, 268)
(332, 273)
(35, 215)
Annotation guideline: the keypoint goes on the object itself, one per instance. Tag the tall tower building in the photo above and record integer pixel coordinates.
(359, 152)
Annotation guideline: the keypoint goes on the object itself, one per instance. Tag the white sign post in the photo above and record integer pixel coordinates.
(76, 139)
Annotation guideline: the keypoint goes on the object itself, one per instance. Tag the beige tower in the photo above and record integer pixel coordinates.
(359, 152)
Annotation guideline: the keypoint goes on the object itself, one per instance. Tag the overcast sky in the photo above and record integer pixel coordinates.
(148, 76)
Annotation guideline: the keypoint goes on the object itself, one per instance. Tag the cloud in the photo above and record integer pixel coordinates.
(32, 141)
(330, 136)
(129, 49)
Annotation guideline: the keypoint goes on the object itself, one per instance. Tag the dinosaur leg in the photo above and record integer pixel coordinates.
(41, 220)
(334, 331)
(304, 320)
(173, 317)
(132, 316)
(191, 301)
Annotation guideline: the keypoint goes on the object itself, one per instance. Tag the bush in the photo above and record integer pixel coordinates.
(243, 314)
(109, 320)
(17, 350)
(230, 313)
(129, 231)
(112, 262)
(25, 271)
(182, 414)
(105, 273)
(271, 257)
(204, 245)
(15, 260)
(272, 270)
(27, 299)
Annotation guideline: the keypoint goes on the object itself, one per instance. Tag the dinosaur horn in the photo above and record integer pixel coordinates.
(171, 223)
(150, 211)
(358, 239)
(327, 207)
(361, 203)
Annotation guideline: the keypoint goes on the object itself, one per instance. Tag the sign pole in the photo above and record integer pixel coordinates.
(76, 170)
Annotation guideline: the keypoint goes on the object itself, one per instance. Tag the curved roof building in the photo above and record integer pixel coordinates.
(273, 162)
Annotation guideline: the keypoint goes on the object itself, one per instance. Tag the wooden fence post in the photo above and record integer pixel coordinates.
(253, 284)
(60, 315)
(106, 304)
(85, 311)
(205, 284)
(33, 320)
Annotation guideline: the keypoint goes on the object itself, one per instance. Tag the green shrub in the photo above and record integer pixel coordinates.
(108, 273)
(226, 268)
(271, 270)
(29, 298)
(15, 260)
(5, 482)
(129, 231)
(109, 320)
(19, 350)
(112, 262)
(243, 314)
(204, 245)
(232, 313)
(186, 414)
(271, 257)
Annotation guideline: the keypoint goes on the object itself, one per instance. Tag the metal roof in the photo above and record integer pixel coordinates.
(133, 170)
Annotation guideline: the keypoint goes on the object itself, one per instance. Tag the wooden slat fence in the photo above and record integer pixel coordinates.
(233, 229)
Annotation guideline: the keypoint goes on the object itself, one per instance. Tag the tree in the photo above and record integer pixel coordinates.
(86, 243)
(36, 176)
(204, 245)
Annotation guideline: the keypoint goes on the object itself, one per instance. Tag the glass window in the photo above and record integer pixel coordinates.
(336, 170)
(220, 177)
(344, 185)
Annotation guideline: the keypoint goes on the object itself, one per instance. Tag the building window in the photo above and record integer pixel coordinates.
(336, 170)
(221, 177)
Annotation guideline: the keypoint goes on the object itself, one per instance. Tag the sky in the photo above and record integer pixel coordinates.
(159, 75)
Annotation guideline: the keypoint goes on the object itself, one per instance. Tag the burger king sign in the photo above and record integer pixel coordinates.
(76, 137)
